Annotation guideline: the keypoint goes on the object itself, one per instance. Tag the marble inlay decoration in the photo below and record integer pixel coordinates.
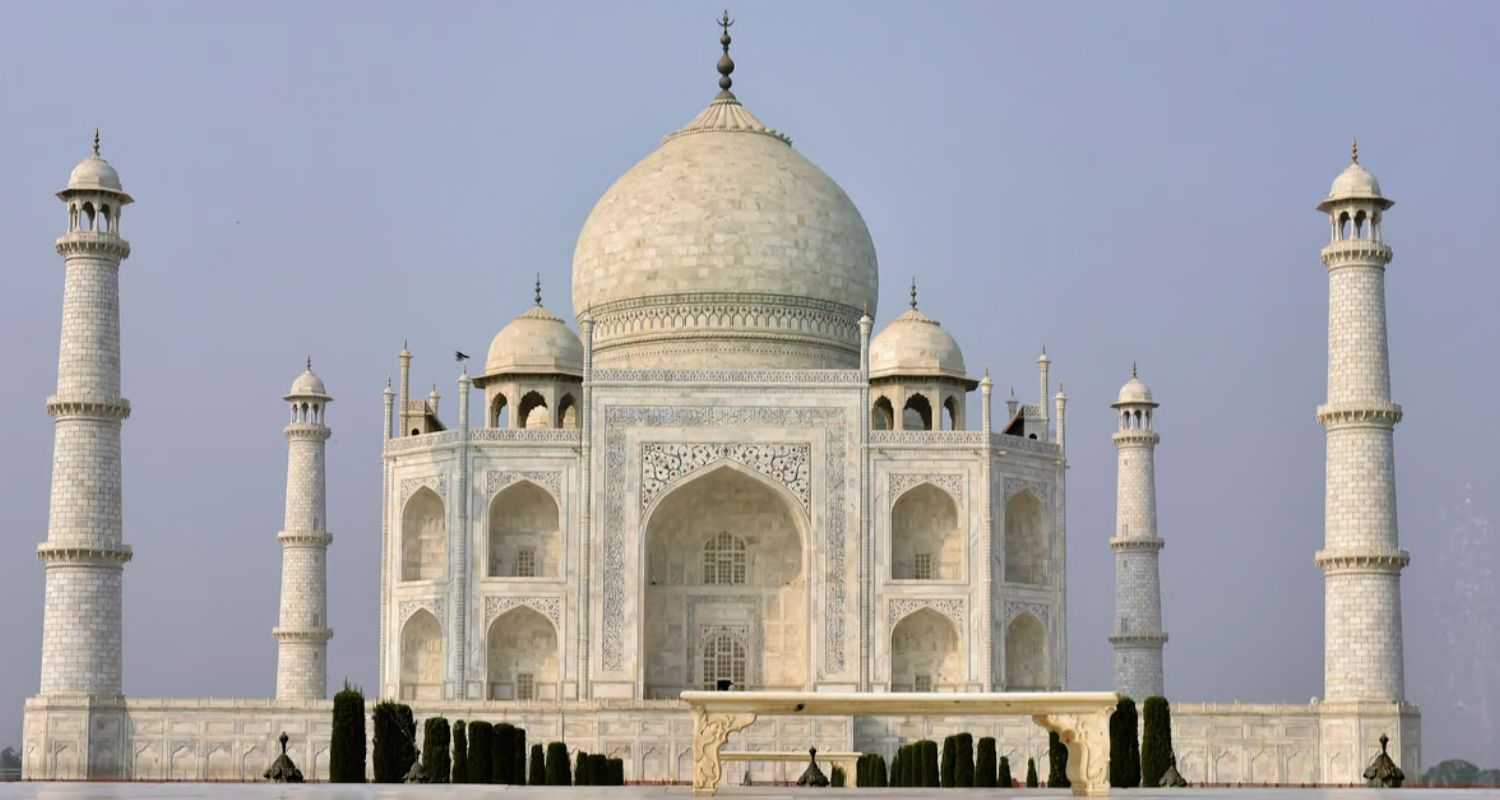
(787, 463)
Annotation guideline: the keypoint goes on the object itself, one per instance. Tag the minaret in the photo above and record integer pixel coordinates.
(1138, 636)
(302, 632)
(84, 557)
(1044, 369)
(1361, 557)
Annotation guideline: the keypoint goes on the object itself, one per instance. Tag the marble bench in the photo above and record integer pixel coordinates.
(1080, 719)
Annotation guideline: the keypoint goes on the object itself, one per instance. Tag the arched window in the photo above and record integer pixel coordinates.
(917, 416)
(926, 654)
(1025, 654)
(421, 658)
(531, 403)
(925, 540)
(88, 216)
(424, 538)
(567, 412)
(882, 415)
(498, 412)
(525, 534)
(724, 560)
(1344, 226)
(723, 658)
(1025, 540)
(521, 657)
(104, 218)
(950, 414)
(1359, 225)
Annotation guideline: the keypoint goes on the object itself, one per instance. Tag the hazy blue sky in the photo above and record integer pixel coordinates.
(1120, 181)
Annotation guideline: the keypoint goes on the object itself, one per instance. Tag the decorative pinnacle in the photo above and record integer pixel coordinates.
(1132, 370)
(539, 288)
(96, 143)
(726, 64)
(309, 363)
(913, 293)
(1353, 151)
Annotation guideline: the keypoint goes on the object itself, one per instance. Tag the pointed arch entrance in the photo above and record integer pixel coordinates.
(726, 593)
(521, 656)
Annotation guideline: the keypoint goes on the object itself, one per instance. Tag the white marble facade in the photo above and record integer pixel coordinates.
(724, 474)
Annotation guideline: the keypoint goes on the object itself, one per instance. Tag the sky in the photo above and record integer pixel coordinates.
(1120, 182)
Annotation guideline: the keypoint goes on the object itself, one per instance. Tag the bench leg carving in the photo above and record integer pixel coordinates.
(710, 732)
(1087, 738)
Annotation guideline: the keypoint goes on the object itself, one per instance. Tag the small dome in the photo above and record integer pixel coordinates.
(1355, 183)
(95, 173)
(1135, 392)
(537, 342)
(308, 384)
(915, 344)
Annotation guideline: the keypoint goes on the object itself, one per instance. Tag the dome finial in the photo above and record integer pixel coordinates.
(1354, 152)
(726, 64)
(539, 288)
(1132, 370)
(913, 293)
(96, 143)
(309, 362)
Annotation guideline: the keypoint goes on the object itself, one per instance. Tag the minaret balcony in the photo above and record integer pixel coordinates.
(93, 243)
(1370, 414)
(1356, 253)
(118, 408)
(1362, 561)
(1120, 544)
(98, 555)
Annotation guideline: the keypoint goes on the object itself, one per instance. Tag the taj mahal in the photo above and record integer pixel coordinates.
(718, 467)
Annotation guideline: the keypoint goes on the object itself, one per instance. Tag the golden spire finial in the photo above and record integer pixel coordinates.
(726, 64)
(1354, 152)
(96, 143)
(913, 293)
(539, 288)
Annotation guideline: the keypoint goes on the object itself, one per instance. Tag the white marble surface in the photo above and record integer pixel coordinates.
(188, 791)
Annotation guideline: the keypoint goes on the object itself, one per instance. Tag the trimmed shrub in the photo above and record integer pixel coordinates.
(964, 744)
(896, 774)
(950, 763)
(520, 745)
(581, 769)
(536, 770)
(1005, 779)
(460, 772)
(435, 761)
(1031, 773)
(598, 769)
(836, 778)
(984, 766)
(929, 774)
(558, 773)
(1156, 741)
(1057, 762)
(406, 742)
(481, 751)
(504, 765)
(387, 745)
(1124, 747)
(616, 771)
(346, 756)
(878, 776)
(869, 771)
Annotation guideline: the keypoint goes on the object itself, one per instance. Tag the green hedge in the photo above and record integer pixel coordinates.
(985, 766)
(836, 778)
(1124, 746)
(389, 743)
(870, 772)
(435, 761)
(536, 769)
(1057, 762)
(1031, 782)
(965, 745)
(1156, 741)
(460, 752)
(581, 769)
(346, 756)
(930, 775)
(1004, 778)
(558, 773)
(502, 764)
(481, 751)
(950, 763)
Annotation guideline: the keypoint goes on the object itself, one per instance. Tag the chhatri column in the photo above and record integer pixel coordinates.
(84, 556)
(302, 631)
(1361, 557)
(1138, 636)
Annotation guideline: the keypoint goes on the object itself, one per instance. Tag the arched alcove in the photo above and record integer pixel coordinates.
(499, 411)
(567, 412)
(525, 537)
(882, 415)
(521, 656)
(950, 414)
(925, 653)
(724, 556)
(925, 539)
(917, 415)
(1025, 654)
(424, 538)
(531, 404)
(421, 657)
(1025, 540)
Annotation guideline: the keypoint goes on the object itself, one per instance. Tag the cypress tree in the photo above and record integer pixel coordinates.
(964, 744)
(536, 771)
(1057, 762)
(385, 748)
(896, 774)
(503, 766)
(1005, 779)
(930, 777)
(617, 772)
(581, 769)
(405, 744)
(1156, 742)
(558, 773)
(902, 775)
(460, 752)
(878, 777)
(949, 779)
(346, 757)
(984, 768)
(435, 750)
(1031, 773)
(836, 779)
(1124, 746)
(518, 756)
(481, 751)
(599, 769)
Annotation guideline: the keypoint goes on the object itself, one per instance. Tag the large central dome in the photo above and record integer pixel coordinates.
(725, 248)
